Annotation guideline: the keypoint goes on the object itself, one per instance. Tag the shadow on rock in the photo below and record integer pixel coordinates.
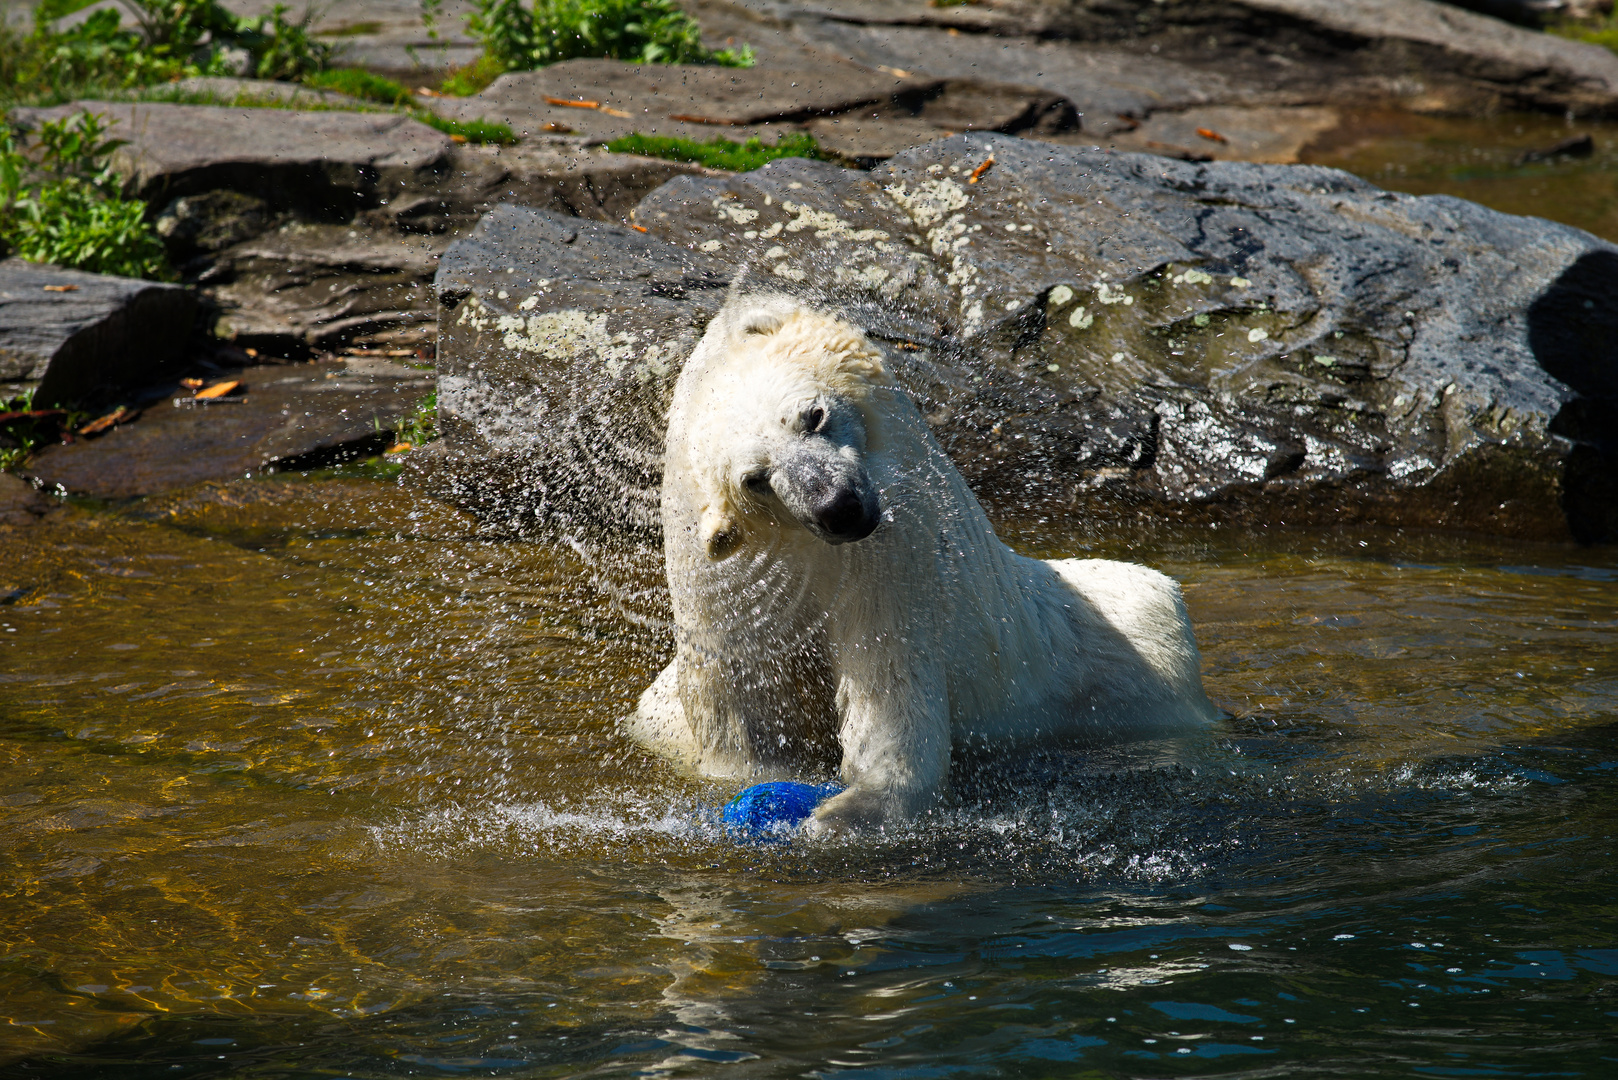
(1573, 332)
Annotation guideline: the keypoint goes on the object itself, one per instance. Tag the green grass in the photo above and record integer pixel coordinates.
(1603, 31)
(473, 131)
(719, 153)
(351, 30)
(359, 83)
(473, 78)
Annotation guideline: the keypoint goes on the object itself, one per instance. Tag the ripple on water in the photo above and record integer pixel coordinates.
(357, 797)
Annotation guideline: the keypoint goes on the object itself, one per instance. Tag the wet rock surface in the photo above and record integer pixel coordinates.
(558, 342)
(1088, 333)
(286, 416)
(77, 335)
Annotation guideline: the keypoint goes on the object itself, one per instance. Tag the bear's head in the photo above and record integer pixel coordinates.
(779, 422)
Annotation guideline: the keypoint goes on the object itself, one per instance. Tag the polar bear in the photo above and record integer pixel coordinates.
(841, 602)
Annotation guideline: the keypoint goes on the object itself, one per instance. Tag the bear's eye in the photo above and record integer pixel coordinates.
(757, 482)
(814, 419)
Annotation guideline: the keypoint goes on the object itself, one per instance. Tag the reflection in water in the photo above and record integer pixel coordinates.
(303, 776)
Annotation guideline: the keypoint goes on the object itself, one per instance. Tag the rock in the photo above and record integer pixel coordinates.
(305, 287)
(388, 35)
(866, 142)
(225, 90)
(559, 338)
(1103, 83)
(310, 287)
(1089, 333)
(20, 503)
(1229, 133)
(703, 103)
(1419, 53)
(286, 417)
(312, 230)
(1574, 146)
(325, 165)
(211, 221)
(82, 335)
(684, 100)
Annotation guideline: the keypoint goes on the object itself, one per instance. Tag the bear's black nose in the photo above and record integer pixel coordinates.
(845, 516)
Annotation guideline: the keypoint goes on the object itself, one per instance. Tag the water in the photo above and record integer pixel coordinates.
(300, 777)
(1480, 158)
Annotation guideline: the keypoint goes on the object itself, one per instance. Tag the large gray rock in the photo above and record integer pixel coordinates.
(558, 341)
(1422, 53)
(314, 230)
(305, 286)
(80, 335)
(1088, 333)
(327, 164)
(614, 98)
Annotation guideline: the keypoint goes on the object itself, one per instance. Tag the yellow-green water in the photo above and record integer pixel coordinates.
(301, 777)
(1480, 158)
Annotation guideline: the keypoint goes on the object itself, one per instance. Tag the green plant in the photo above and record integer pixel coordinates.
(171, 39)
(421, 426)
(646, 31)
(66, 206)
(279, 48)
(24, 428)
(473, 131)
(1601, 30)
(469, 80)
(359, 83)
(719, 153)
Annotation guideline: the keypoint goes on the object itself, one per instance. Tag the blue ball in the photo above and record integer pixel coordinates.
(774, 807)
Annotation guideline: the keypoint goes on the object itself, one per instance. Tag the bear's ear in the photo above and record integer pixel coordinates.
(718, 531)
(760, 320)
(865, 368)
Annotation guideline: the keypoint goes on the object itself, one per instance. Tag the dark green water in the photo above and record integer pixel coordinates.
(300, 778)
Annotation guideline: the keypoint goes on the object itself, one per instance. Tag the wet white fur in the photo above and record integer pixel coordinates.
(927, 635)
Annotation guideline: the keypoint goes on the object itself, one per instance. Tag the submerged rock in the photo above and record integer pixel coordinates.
(78, 335)
(20, 503)
(1088, 333)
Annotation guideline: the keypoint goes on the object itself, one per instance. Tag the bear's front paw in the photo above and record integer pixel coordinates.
(855, 810)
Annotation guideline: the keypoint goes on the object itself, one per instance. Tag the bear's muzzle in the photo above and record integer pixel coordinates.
(829, 495)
